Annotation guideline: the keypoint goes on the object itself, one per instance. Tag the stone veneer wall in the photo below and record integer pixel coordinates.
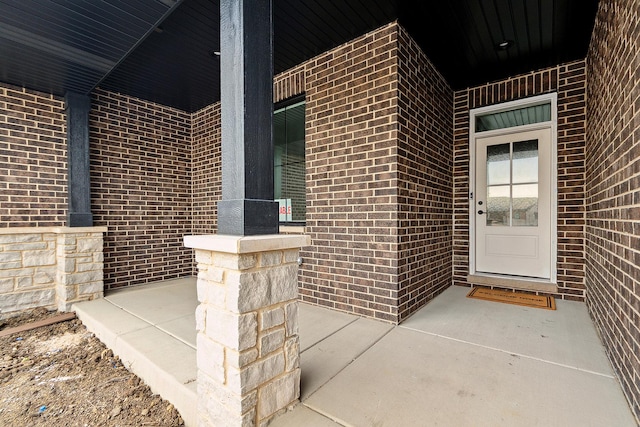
(33, 159)
(51, 267)
(569, 81)
(613, 189)
(141, 188)
(425, 186)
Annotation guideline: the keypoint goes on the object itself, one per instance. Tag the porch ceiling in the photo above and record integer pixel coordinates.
(163, 50)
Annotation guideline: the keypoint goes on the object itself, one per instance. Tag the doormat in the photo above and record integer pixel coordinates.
(518, 298)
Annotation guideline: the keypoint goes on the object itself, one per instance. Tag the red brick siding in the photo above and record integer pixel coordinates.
(352, 143)
(289, 83)
(425, 170)
(613, 189)
(206, 168)
(141, 188)
(350, 161)
(569, 81)
(351, 155)
(33, 162)
(572, 127)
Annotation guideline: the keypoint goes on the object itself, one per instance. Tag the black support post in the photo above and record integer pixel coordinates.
(79, 189)
(246, 65)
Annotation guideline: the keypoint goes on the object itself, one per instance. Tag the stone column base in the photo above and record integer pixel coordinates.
(247, 345)
(80, 265)
(51, 267)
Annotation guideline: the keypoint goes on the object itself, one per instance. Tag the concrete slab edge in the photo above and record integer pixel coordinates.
(184, 401)
(94, 326)
(161, 382)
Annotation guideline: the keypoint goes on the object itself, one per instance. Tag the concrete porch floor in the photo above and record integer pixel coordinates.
(456, 362)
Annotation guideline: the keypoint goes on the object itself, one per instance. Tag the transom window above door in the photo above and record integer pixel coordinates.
(516, 117)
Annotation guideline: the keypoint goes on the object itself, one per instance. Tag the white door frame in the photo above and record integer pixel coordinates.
(553, 125)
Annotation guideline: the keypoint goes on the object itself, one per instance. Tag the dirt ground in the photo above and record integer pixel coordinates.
(61, 375)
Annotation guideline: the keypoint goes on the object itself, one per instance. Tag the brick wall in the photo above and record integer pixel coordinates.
(33, 162)
(140, 176)
(381, 175)
(351, 147)
(425, 135)
(613, 189)
(351, 155)
(289, 83)
(379, 166)
(206, 168)
(141, 188)
(569, 81)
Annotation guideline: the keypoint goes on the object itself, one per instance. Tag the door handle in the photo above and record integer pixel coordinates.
(480, 212)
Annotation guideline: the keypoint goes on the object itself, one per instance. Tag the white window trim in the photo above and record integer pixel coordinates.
(553, 125)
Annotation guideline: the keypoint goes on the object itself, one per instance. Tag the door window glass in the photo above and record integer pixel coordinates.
(512, 184)
(498, 205)
(525, 205)
(498, 164)
(525, 161)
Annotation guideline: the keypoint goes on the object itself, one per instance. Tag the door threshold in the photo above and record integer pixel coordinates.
(510, 282)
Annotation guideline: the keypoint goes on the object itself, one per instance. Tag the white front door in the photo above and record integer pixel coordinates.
(513, 204)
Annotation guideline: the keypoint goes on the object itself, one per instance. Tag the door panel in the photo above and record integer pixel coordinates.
(502, 245)
(513, 204)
